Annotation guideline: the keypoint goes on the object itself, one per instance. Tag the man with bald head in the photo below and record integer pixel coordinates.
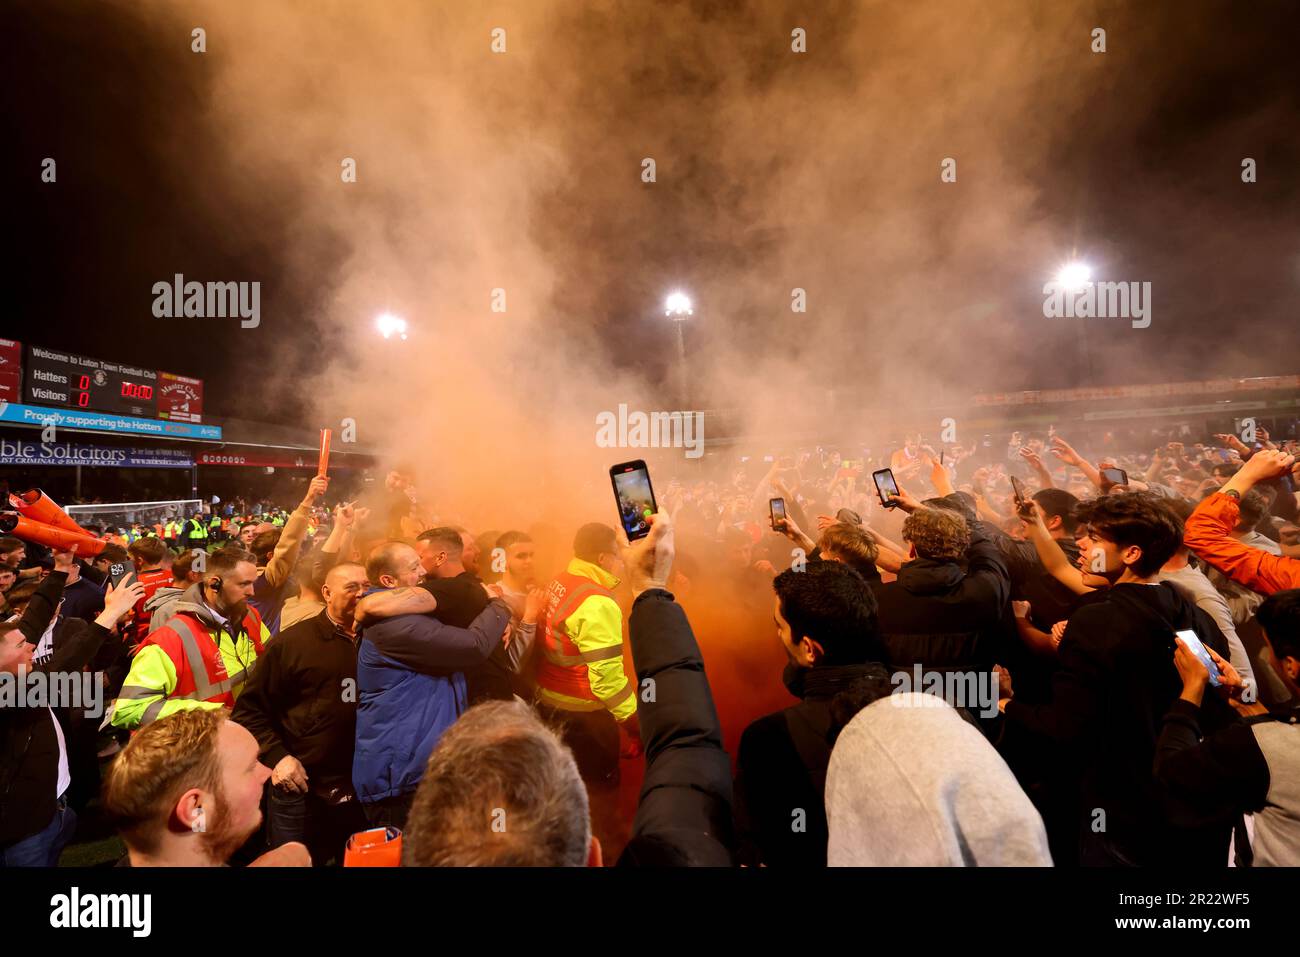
(411, 676)
(301, 705)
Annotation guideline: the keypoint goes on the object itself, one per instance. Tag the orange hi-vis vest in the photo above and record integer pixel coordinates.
(561, 667)
(200, 673)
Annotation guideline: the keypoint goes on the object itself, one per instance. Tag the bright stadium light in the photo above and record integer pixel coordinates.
(1074, 276)
(678, 306)
(390, 325)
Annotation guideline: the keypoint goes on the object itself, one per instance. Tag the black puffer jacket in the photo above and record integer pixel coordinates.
(943, 616)
(683, 817)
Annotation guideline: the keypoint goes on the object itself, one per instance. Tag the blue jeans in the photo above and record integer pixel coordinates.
(286, 818)
(43, 848)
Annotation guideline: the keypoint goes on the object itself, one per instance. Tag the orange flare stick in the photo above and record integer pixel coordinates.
(39, 507)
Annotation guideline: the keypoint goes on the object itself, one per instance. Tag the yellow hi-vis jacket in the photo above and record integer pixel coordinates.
(174, 670)
(580, 649)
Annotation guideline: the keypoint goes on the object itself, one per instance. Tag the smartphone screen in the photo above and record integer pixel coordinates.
(1017, 491)
(777, 505)
(1115, 476)
(886, 487)
(634, 497)
(1197, 647)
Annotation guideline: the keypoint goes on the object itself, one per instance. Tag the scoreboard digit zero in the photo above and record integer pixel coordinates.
(69, 381)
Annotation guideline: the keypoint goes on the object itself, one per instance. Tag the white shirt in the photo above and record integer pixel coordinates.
(65, 776)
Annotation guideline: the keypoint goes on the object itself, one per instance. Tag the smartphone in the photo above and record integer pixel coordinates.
(886, 487)
(1197, 647)
(634, 497)
(777, 506)
(119, 570)
(1017, 492)
(1115, 476)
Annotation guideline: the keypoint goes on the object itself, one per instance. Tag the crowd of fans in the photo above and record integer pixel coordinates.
(1096, 665)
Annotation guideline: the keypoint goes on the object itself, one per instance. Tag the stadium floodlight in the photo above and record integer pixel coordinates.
(1074, 276)
(390, 325)
(678, 306)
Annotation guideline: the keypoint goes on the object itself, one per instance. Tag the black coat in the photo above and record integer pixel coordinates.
(683, 816)
(941, 616)
(780, 808)
(29, 745)
(302, 701)
(1115, 683)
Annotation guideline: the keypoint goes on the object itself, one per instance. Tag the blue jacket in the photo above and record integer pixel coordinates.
(411, 690)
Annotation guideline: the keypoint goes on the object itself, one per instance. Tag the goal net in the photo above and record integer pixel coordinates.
(125, 514)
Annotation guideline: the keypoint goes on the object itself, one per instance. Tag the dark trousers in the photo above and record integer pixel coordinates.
(389, 812)
(322, 826)
(593, 737)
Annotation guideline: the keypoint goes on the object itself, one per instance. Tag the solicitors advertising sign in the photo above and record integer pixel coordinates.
(19, 452)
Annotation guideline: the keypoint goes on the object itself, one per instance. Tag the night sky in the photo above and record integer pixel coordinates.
(1131, 160)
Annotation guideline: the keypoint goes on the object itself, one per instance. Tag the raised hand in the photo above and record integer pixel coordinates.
(1064, 451)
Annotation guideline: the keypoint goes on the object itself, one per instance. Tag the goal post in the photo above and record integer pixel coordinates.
(125, 514)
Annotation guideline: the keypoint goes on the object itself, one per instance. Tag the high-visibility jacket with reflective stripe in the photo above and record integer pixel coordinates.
(197, 529)
(580, 645)
(190, 662)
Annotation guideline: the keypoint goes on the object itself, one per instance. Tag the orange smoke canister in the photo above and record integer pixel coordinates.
(39, 507)
(59, 539)
(377, 847)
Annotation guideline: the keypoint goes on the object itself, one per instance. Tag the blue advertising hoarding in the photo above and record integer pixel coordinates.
(41, 416)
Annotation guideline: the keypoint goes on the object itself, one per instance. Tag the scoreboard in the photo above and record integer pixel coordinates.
(64, 380)
(69, 381)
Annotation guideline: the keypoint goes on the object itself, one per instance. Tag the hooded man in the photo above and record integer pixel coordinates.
(913, 784)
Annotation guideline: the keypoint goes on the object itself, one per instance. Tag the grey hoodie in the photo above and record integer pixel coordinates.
(162, 605)
(911, 784)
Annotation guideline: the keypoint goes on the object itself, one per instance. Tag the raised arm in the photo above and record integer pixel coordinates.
(1036, 463)
(940, 478)
(1050, 554)
(685, 801)
(1066, 453)
(1208, 531)
(45, 600)
(285, 556)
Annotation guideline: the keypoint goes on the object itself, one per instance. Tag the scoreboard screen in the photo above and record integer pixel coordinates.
(69, 381)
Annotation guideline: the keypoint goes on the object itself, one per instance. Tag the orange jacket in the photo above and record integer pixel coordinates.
(1207, 534)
